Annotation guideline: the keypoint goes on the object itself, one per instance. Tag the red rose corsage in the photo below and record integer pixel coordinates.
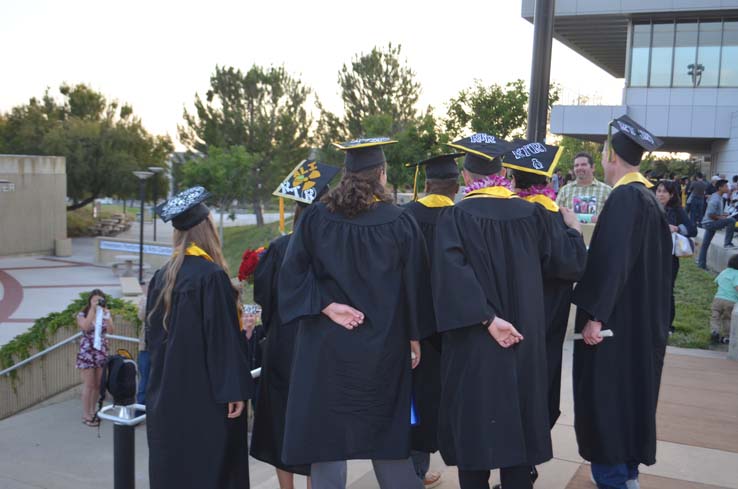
(249, 261)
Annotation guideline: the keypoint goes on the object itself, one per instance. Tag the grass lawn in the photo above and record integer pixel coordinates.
(693, 294)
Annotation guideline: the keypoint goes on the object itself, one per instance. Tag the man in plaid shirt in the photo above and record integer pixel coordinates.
(586, 195)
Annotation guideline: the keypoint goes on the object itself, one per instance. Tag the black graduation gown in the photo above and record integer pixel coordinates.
(627, 286)
(349, 394)
(489, 256)
(427, 375)
(197, 367)
(274, 383)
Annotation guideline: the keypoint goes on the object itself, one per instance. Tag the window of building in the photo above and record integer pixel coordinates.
(685, 55)
(708, 54)
(662, 48)
(729, 63)
(639, 58)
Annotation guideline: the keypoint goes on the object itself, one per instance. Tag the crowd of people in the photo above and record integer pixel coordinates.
(395, 332)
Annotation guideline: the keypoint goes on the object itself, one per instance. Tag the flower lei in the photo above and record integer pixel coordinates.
(488, 181)
(537, 190)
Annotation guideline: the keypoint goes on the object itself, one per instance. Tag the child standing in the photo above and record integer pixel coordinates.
(725, 299)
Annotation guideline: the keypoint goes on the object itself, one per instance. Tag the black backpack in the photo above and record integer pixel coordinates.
(119, 378)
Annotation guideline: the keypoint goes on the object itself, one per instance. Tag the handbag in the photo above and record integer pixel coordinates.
(682, 245)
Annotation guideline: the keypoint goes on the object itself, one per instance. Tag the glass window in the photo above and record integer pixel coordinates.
(662, 47)
(685, 54)
(639, 55)
(708, 54)
(729, 65)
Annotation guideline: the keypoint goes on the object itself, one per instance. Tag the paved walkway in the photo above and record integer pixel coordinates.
(48, 447)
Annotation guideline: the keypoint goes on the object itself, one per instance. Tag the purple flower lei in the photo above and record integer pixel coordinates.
(488, 181)
(538, 190)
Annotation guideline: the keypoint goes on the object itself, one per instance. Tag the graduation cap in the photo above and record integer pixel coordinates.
(631, 140)
(186, 209)
(306, 182)
(483, 152)
(439, 167)
(364, 153)
(533, 157)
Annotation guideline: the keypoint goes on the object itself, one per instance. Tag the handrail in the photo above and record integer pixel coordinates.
(33, 357)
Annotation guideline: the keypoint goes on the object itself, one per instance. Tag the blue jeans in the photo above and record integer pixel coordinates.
(710, 228)
(421, 462)
(614, 476)
(143, 371)
(697, 210)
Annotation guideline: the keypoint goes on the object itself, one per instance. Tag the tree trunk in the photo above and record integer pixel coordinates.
(220, 227)
(394, 191)
(124, 206)
(81, 203)
(258, 211)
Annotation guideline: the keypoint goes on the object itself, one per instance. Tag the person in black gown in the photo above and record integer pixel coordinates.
(490, 253)
(441, 186)
(354, 278)
(305, 184)
(199, 376)
(626, 288)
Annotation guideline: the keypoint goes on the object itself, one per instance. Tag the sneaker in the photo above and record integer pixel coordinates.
(632, 484)
(729, 246)
(714, 338)
(432, 479)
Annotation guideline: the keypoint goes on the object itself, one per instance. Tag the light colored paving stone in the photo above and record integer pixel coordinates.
(695, 464)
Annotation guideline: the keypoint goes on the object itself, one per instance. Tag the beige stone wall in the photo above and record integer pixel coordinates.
(34, 215)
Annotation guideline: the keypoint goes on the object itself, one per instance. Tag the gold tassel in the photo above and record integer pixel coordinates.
(415, 183)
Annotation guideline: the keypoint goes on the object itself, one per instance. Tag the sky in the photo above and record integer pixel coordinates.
(157, 54)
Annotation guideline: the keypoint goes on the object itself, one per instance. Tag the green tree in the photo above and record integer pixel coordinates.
(262, 110)
(102, 141)
(225, 172)
(494, 109)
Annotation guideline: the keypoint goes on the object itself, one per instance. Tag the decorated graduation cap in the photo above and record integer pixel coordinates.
(533, 157)
(186, 209)
(631, 140)
(437, 168)
(482, 152)
(362, 154)
(306, 182)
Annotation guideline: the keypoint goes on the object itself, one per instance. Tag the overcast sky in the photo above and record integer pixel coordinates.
(157, 54)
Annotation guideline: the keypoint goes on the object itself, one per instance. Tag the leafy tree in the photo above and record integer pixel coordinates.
(262, 110)
(494, 109)
(101, 141)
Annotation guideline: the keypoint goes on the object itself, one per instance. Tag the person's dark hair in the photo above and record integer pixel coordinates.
(672, 176)
(733, 262)
(357, 192)
(720, 183)
(735, 178)
(442, 186)
(527, 180)
(584, 154)
(675, 199)
(699, 175)
(93, 293)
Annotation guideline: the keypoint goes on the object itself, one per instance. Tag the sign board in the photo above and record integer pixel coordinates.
(135, 247)
(7, 186)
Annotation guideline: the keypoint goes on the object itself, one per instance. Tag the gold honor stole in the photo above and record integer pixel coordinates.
(494, 192)
(544, 200)
(631, 178)
(435, 200)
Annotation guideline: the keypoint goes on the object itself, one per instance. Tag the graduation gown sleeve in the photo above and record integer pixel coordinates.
(564, 255)
(265, 280)
(227, 366)
(416, 280)
(614, 250)
(455, 281)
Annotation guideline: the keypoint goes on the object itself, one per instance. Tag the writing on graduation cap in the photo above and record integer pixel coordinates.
(635, 132)
(302, 183)
(528, 150)
(481, 137)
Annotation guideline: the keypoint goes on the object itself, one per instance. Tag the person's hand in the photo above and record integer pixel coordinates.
(570, 219)
(235, 409)
(591, 333)
(249, 322)
(346, 316)
(594, 219)
(415, 352)
(504, 333)
(673, 229)
(93, 302)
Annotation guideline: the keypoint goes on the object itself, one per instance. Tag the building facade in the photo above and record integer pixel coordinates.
(679, 63)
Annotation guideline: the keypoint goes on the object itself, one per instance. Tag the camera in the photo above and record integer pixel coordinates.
(101, 302)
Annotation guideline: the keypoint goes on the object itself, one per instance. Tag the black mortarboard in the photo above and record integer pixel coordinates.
(483, 152)
(186, 209)
(538, 158)
(439, 168)
(307, 181)
(364, 153)
(631, 140)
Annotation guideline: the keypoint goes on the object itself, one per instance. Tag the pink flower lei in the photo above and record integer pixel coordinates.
(488, 181)
(538, 190)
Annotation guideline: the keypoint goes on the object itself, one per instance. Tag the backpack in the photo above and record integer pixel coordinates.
(119, 378)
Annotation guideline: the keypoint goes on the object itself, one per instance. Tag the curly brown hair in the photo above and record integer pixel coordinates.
(357, 192)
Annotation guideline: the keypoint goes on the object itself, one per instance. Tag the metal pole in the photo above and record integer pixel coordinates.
(141, 239)
(124, 454)
(540, 73)
(156, 187)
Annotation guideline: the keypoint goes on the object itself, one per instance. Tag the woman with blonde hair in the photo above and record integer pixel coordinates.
(199, 376)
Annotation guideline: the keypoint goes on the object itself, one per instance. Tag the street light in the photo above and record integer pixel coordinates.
(142, 176)
(156, 170)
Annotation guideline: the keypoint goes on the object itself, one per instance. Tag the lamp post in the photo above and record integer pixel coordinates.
(156, 170)
(142, 176)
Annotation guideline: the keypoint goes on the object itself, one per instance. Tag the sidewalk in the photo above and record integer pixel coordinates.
(48, 447)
